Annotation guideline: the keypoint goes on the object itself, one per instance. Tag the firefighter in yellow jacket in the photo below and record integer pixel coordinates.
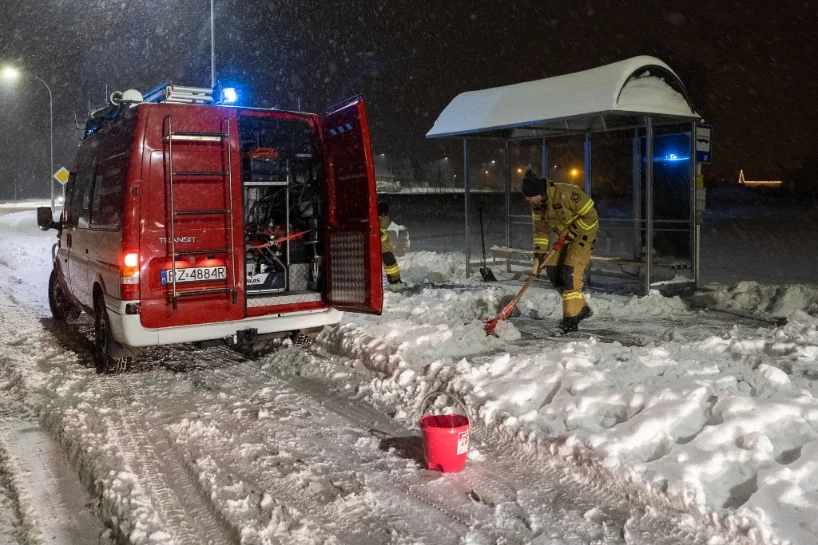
(390, 264)
(569, 211)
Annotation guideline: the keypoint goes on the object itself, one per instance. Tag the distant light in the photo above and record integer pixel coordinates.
(10, 73)
(519, 171)
(487, 172)
(445, 158)
(752, 183)
(670, 158)
(493, 161)
(574, 172)
(229, 95)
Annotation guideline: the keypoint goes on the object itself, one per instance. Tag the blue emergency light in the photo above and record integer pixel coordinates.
(229, 95)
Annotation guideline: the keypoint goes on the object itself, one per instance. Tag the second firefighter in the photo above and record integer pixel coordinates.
(390, 263)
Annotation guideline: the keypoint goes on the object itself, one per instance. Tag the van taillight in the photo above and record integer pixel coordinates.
(129, 277)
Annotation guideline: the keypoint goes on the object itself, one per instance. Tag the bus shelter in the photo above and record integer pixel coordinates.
(640, 97)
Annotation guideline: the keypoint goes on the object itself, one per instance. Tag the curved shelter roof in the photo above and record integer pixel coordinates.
(613, 96)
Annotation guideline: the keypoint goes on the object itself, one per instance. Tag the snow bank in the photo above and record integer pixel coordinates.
(716, 416)
(787, 301)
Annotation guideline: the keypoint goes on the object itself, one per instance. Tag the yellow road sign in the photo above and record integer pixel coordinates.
(62, 175)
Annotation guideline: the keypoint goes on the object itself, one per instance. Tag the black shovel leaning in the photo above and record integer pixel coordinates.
(485, 272)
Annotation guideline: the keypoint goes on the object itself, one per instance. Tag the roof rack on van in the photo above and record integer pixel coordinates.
(177, 94)
(165, 93)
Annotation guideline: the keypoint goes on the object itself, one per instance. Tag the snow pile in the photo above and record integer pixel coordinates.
(786, 301)
(646, 92)
(23, 223)
(418, 267)
(713, 415)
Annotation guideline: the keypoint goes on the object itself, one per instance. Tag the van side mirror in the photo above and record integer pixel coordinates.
(45, 220)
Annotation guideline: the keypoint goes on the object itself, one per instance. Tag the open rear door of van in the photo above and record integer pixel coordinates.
(353, 232)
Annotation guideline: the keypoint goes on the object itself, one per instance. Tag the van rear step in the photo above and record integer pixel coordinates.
(200, 212)
(193, 173)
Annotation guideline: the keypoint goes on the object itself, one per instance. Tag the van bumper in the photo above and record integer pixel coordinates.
(127, 329)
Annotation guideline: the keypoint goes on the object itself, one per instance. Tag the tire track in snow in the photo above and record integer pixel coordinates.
(428, 523)
(470, 497)
(151, 456)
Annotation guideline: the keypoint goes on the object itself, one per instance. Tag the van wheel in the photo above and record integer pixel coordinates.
(104, 342)
(303, 338)
(61, 306)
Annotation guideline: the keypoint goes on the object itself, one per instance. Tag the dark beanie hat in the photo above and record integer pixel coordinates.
(532, 185)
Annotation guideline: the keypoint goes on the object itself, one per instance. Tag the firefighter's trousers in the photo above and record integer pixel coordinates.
(566, 270)
(390, 263)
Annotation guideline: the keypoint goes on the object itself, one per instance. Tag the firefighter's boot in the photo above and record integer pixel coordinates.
(569, 324)
(399, 286)
(586, 312)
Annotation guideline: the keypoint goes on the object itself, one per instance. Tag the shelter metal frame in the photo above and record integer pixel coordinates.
(643, 124)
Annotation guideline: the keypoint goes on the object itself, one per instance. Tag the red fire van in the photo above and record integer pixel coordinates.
(186, 220)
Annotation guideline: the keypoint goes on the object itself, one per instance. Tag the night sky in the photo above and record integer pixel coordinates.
(749, 66)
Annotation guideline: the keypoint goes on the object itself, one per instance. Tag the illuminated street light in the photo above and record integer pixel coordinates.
(519, 171)
(10, 73)
(574, 173)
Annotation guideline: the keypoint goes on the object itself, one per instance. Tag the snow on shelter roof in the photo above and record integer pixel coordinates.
(615, 95)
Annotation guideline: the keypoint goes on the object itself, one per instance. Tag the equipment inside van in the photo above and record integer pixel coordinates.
(187, 220)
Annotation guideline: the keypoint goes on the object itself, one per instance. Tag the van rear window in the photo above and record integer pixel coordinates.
(285, 138)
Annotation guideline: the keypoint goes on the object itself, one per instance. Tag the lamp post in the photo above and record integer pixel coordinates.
(212, 49)
(11, 74)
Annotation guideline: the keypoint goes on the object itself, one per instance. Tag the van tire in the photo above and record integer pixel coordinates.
(61, 306)
(103, 342)
(304, 338)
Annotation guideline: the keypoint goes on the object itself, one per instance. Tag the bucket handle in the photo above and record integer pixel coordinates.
(451, 396)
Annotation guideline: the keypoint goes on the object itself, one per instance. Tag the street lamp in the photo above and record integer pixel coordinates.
(11, 74)
(212, 49)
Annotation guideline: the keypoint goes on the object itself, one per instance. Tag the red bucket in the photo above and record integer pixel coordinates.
(445, 437)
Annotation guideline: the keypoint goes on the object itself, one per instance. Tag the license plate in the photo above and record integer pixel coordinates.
(194, 274)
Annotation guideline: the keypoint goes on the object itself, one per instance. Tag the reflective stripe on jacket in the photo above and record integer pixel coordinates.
(565, 207)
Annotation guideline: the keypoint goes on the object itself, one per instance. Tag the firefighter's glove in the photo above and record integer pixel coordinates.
(537, 264)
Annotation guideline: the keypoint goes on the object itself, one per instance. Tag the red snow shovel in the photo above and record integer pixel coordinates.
(492, 324)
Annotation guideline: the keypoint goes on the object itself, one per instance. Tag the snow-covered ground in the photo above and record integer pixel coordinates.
(707, 423)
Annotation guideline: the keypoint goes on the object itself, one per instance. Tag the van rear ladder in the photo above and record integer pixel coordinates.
(226, 176)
